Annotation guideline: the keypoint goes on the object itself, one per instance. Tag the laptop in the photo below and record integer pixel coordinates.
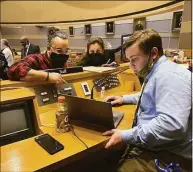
(92, 114)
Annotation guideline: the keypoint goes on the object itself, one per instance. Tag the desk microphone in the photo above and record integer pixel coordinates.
(105, 78)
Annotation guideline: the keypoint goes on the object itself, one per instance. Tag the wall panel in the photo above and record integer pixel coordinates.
(38, 35)
(160, 25)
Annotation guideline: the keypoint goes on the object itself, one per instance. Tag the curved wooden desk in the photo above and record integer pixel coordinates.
(68, 77)
(27, 155)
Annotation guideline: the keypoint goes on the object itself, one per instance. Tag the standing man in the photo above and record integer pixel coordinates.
(6, 50)
(28, 48)
(162, 127)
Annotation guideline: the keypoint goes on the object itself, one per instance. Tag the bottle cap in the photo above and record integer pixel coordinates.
(61, 99)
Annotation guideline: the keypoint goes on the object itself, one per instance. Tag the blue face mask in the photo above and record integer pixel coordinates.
(58, 60)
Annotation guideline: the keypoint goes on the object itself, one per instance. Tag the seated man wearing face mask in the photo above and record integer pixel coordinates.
(31, 68)
(162, 126)
(95, 54)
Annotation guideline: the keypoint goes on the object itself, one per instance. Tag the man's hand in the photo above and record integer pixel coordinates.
(56, 78)
(115, 139)
(115, 100)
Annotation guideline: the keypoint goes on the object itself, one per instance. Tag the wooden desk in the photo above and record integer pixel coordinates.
(27, 155)
(17, 57)
(73, 77)
(10, 96)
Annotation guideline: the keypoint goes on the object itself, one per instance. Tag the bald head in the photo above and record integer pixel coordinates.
(24, 41)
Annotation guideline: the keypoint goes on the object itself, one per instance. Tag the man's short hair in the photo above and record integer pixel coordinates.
(147, 39)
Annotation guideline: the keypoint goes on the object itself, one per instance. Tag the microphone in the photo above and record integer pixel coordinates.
(105, 78)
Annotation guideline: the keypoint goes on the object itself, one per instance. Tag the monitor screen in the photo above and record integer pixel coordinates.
(13, 121)
(16, 121)
(123, 39)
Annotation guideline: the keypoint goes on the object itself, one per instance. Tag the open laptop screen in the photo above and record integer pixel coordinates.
(90, 111)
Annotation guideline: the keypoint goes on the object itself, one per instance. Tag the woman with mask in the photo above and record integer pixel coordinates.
(31, 68)
(95, 54)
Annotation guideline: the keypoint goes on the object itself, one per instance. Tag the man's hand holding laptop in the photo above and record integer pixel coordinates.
(114, 133)
(115, 139)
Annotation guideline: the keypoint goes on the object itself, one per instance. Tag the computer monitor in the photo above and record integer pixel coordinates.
(16, 122)
(123, 39)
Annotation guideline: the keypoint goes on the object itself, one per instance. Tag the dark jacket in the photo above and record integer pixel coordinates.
(108, 54)
(3, 67)
(33, 49)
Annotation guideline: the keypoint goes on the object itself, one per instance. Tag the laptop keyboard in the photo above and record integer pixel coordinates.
(115, 118)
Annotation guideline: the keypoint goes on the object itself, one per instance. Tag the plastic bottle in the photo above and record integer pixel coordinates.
(102, 92)
(62, 124)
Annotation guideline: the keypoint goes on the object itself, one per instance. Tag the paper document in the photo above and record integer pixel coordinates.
(99, 69)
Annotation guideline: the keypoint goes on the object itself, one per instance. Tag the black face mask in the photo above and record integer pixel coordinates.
(58, 60)
(96, 59)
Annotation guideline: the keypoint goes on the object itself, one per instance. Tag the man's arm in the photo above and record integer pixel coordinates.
(173, 104)
(21, 68)
(35, 75)
(131, 99)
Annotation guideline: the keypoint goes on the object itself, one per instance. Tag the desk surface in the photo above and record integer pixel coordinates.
(9, 96)
(67, 77)
(27, 155)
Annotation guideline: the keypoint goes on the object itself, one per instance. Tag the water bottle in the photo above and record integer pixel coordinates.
(103, 92)
(62, 124)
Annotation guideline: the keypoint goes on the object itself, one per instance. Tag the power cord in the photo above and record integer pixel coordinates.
(72, 129)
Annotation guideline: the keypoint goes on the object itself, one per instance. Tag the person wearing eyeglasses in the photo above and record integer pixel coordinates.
(31, 68)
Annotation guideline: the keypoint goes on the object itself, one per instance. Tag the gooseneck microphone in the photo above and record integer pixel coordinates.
(105, 78)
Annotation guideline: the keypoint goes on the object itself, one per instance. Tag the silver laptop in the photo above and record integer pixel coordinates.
(92, 114)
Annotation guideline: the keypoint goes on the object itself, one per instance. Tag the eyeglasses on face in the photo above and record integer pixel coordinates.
(61, 50)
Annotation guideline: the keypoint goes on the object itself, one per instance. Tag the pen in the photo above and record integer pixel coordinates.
(108, 61)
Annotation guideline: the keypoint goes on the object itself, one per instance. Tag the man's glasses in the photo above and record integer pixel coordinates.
(61, 50)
